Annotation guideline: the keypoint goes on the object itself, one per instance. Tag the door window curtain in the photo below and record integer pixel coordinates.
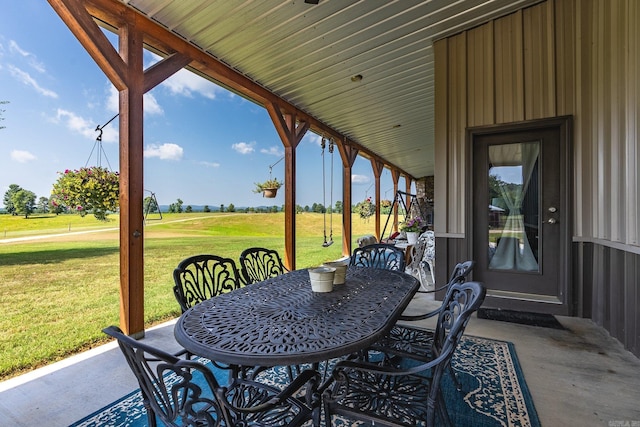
(513, 251)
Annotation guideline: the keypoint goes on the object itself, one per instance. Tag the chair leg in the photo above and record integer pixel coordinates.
(151, 416)
(442, 410)
(423, 280)
(433, 276)
(455, 379)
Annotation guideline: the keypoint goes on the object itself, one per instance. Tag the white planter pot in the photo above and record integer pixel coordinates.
(341, 271)
(322, 279)
(412, 237)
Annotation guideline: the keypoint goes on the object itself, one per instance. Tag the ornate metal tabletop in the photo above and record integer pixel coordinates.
(282, 322)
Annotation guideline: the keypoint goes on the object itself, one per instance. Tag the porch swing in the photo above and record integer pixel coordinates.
(326, 243)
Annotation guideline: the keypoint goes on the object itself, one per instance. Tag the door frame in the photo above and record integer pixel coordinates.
(566, 304)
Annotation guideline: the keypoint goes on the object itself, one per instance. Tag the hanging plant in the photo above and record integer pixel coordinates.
(365, 208)
(87, 190)
(269, 188)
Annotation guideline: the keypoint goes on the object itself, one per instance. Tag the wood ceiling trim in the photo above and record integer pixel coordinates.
(76, 17)
(114, 14)
(160, 71)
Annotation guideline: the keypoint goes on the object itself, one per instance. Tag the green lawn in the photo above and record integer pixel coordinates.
(58, 293)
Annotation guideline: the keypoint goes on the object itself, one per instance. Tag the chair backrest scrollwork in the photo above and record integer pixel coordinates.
(258, 264)
(201, 277)
(379, 255)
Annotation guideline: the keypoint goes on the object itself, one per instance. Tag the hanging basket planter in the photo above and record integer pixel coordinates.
(269, 188)
(269, 193)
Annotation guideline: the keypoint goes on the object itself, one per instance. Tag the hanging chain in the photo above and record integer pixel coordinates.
(331, 145)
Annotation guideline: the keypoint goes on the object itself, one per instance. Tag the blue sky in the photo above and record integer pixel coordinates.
(202, 143)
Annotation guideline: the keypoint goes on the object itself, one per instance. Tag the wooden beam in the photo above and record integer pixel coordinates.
(112, 14)
(291, 132)
(348, 155)
(131, 186)
(162, 70)
(378, 167)
(395, 175)
(75, 15)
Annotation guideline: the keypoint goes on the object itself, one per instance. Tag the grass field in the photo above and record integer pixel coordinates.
(59, 292)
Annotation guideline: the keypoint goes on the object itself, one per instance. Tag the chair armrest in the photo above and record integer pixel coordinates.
(372, 368)
(307, 376)
(416, 317)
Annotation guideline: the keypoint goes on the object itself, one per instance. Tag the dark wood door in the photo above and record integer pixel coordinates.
(521, 215)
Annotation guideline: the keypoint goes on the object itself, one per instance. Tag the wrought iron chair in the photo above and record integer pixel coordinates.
(379, 255)
(258, 264)
(429, 255)
(185, 392)
(201, 277)
(404, 395)
(405, 341)
(415, 267)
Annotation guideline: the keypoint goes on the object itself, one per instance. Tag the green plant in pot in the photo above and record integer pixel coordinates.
(269, 188)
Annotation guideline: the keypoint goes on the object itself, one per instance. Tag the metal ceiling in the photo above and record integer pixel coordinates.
(310, 55)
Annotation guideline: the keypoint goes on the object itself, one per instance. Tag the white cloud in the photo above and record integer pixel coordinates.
(244, 147)
(210, 164)
(185, 83)
(360, 179)
(274, 151)
(80, 125)
(22, 156)
(167, 151)
(150, 104)
(313, 138)
(33, 62)
(25, 78)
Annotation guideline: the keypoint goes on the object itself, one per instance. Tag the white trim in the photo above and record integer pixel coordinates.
(615, 245)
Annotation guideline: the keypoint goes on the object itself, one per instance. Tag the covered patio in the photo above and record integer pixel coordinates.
(411, 86)
(408, 86)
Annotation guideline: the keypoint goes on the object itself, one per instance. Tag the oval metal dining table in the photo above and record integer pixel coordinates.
(280, 321)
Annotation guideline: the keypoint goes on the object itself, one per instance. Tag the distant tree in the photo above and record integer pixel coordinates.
(24, 202)
(206, 208)
(231, 208)
(338, 207)
(43, 205)
(176, 207)
(251, 209)
(88, 190)
(318, 208)
(221, 208)
(274, 209)
(8, 195)
(306, 208)
(299, 209)
(188, 209)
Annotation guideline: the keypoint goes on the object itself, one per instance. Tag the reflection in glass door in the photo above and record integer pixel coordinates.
(513, 206)
(520, 217)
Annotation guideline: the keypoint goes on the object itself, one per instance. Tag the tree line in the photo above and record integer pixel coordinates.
(95, 191)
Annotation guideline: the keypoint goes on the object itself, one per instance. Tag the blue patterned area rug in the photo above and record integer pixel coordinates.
(494, 392)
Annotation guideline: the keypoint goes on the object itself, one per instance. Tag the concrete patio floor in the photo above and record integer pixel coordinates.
(579, 376)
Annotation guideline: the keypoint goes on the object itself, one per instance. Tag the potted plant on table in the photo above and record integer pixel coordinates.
(269, 188)
(412, 227)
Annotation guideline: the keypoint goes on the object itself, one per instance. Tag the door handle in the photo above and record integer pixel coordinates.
(552, 221)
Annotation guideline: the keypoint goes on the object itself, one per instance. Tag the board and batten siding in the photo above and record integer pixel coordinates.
(556, 58)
